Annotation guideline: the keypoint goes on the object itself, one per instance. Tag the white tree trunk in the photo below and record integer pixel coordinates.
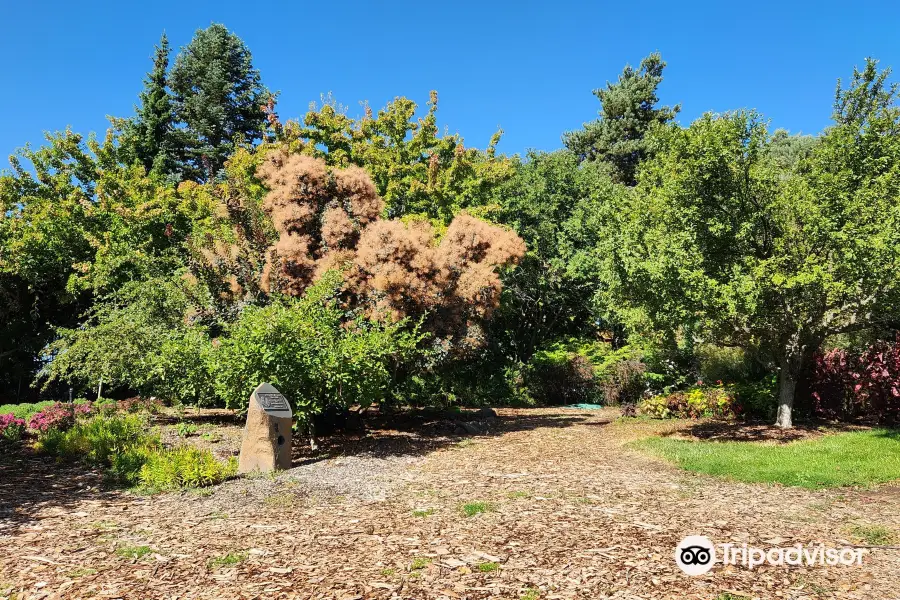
(786, 388)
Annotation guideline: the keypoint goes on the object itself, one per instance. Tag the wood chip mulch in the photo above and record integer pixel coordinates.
(569, 512)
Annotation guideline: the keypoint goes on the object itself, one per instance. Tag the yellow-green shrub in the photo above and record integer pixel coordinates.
(698, 402)
(121, 444)
(184, 467)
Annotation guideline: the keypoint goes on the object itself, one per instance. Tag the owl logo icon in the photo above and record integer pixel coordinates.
(695, 555)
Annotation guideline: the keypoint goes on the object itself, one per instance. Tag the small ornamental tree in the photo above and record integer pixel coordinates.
(720, 236)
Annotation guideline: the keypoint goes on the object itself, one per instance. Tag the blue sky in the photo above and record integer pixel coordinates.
(528, 67)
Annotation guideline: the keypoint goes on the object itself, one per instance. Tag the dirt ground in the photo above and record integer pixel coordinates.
(570, 513)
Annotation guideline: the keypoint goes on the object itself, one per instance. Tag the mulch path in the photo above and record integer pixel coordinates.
(572, 513)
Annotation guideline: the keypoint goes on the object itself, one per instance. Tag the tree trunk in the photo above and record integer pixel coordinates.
(787, 385)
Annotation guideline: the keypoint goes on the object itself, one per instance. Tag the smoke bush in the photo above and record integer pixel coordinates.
(394, 270)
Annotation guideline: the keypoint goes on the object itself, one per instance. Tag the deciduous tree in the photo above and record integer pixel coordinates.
(719, 235)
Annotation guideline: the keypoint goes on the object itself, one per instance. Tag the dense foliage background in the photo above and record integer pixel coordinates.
(204, 246)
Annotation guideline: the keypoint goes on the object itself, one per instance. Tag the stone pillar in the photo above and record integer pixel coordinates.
(266, 445)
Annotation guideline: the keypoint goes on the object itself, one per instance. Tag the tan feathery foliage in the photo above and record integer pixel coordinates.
(331, 219)
(315, 212)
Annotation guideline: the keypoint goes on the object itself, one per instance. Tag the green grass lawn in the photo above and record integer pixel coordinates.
(860, 458)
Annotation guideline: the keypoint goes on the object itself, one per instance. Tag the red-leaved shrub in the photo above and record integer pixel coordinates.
(11, 428)
(847, 385)
(61, 416)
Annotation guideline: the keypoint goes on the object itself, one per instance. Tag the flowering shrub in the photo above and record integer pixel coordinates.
(59, 417)
(136, 405)
(11, 428)
(718, 402)
(847, 385)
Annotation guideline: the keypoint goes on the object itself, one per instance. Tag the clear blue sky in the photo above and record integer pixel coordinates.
(528, 67)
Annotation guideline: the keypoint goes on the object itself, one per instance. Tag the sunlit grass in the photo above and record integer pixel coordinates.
(470, 509)
(859, 458)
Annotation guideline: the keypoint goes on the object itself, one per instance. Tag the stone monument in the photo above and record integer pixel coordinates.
(266, 445)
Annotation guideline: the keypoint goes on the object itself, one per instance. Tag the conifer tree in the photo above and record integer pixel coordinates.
(151, 137)
(628, 110)
(218, 96)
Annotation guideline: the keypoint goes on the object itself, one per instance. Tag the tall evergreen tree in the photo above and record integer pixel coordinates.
(151, 137)
(218, 96)
(628, 110)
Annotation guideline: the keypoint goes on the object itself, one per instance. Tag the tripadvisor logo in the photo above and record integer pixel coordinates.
(696, 554)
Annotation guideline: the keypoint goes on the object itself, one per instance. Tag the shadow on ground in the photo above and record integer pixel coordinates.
(419, 432)
(31, 483)
(743, 431)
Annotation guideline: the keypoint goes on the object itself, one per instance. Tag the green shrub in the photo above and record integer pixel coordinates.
(125, 467)
(25, 410)
(564, 372)
(624, 382)
(622, 375)
(131, 456)
(184, 369)
(185, 429)
(759, 399)
(98, 439)
(184, 467)
(561, 377)
(719, 363)
(307, 349)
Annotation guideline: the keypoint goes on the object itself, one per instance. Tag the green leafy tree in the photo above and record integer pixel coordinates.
(218, 97)
(788, 150)
(76, 225)
(416, 170)
(45, 202)
(151, 138)
(120, 341)
(720, 238)
(555, 206)
(628, 111)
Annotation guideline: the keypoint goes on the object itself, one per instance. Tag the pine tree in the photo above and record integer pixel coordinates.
(628, 110)
(218, 96)
(151, 137)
